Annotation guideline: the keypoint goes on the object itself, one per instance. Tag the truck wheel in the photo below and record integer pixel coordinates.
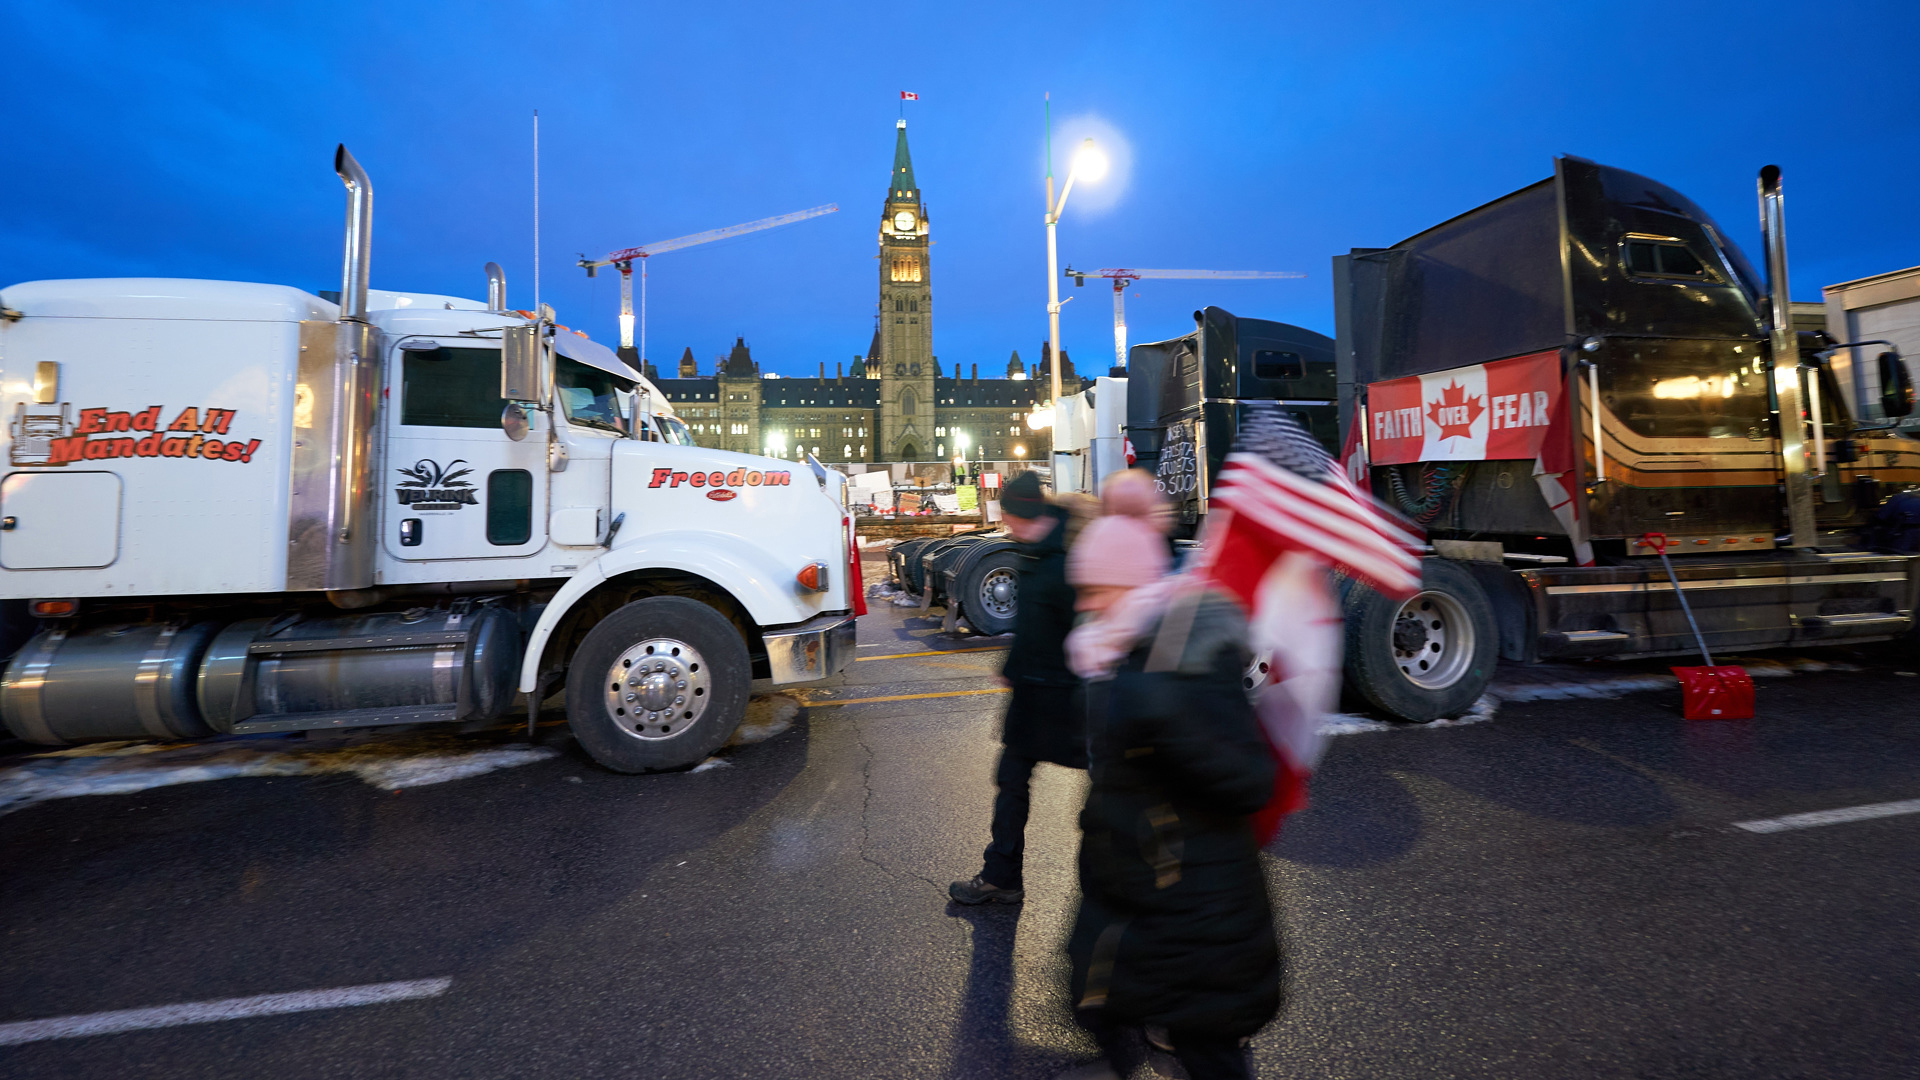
(1430, 657)
(990, 592)
(659, 684)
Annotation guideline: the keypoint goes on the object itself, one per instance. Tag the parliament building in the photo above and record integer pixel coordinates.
(895, 403)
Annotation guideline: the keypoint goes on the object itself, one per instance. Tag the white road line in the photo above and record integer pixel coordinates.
(1831, 817)
(207, 1012)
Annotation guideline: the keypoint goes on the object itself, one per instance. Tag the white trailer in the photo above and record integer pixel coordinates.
(1884, 308)
(238, 508)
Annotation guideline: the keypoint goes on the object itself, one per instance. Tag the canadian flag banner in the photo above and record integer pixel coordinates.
(908, 95)
(1485, 412)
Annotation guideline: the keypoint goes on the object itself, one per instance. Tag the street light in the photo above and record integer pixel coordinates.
(1092, 164)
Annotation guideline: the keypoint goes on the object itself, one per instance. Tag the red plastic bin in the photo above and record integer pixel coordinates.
(1715, 693)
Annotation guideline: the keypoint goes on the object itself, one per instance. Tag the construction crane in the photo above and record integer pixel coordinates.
(1122, 277)
(623, 261)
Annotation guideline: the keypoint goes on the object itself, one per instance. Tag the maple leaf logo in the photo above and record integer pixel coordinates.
(1455, 412)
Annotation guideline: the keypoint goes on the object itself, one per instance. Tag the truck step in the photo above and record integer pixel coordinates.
(347, 718)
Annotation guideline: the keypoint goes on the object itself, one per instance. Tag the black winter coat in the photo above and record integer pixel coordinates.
(1045, 715)
(1175, 927)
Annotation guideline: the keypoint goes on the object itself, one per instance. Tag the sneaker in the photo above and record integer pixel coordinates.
(980, 891)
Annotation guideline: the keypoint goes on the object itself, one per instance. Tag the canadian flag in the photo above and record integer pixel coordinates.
(908, 95)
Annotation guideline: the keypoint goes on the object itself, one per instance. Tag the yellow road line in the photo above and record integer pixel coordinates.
(909, 697)
(931, 652)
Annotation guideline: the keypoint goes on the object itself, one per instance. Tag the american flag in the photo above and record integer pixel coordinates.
(1282, 492)
(1282, 512)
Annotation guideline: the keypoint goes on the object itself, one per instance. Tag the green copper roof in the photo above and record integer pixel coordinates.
(902, 165)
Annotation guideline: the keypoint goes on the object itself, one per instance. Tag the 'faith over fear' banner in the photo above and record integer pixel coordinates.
(1484, 412)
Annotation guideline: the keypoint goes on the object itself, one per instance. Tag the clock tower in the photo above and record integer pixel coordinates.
(906, 317)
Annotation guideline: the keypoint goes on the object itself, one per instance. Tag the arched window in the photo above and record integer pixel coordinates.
(907, 403)
(906, 268)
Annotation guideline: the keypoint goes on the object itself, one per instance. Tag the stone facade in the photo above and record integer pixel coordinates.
(894, 404)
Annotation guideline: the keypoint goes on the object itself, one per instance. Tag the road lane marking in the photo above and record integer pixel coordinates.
(207, 1012)
(908, 697)
(1831, 817)
(929, 652)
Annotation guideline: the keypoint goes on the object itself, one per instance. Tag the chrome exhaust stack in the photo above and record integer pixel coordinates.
(496, 288)
(330, 497)
(353, 276)
(1786, 362)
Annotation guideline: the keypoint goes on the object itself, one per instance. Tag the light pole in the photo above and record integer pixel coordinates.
(1089, 162)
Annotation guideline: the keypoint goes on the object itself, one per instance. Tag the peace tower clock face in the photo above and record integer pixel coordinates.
(903, 221)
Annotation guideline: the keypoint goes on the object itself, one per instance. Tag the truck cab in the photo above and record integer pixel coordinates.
(239, 507)
(1557, 384)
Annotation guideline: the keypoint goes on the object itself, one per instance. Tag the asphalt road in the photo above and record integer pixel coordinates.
(1558, 891)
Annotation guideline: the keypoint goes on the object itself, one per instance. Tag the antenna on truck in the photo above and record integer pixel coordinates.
(536, 210)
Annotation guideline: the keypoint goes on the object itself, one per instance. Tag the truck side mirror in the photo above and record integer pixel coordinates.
(520, 363)
(1896, 385)
(513, 421)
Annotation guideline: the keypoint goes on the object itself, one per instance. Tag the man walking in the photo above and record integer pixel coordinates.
(1044, 719)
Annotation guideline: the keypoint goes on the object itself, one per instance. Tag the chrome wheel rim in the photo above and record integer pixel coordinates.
(1000, 592)
(1259, 671)
(658, 689)
(1432, 640)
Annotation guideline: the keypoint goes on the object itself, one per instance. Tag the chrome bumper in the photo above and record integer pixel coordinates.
(815, 649)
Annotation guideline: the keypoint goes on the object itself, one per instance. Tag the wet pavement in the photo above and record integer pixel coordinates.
(1557, 889)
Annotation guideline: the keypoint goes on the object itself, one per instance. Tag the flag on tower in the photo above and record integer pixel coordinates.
(908, 95)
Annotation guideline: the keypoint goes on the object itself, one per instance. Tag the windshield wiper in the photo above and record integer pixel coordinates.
(595, 422)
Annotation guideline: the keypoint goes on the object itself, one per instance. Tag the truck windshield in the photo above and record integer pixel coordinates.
(673, 431)
(592, 397)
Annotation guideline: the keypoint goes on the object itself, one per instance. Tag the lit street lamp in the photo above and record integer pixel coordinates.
(1090, 163)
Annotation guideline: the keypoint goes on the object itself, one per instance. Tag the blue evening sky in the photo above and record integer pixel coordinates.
(196, 141)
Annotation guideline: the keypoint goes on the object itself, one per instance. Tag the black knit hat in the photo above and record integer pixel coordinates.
(1023, 497)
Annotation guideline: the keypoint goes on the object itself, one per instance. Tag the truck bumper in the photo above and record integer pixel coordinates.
(815, 649)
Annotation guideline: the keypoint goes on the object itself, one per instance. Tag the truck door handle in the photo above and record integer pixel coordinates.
(9, 523)
(410, 532)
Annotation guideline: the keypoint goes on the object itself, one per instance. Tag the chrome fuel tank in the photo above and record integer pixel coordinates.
(125, 681)
(406, 667)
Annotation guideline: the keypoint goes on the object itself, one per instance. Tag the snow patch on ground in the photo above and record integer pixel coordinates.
(712, 763)
(385, 762)
(1602, 688)
(767, 716)
(1348, 724)
(906, 600)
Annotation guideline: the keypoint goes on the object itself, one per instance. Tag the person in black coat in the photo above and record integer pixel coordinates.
(1175, 929)
(1045, 715)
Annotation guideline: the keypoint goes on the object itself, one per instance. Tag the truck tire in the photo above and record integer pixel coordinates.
(659, 684)
(989, 589)
(1428, 658)
(906, 559)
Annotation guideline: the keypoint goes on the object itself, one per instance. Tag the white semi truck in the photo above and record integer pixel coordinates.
(235, 508)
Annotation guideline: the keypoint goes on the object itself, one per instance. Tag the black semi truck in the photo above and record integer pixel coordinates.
(1186, 397)
(1544, 380)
